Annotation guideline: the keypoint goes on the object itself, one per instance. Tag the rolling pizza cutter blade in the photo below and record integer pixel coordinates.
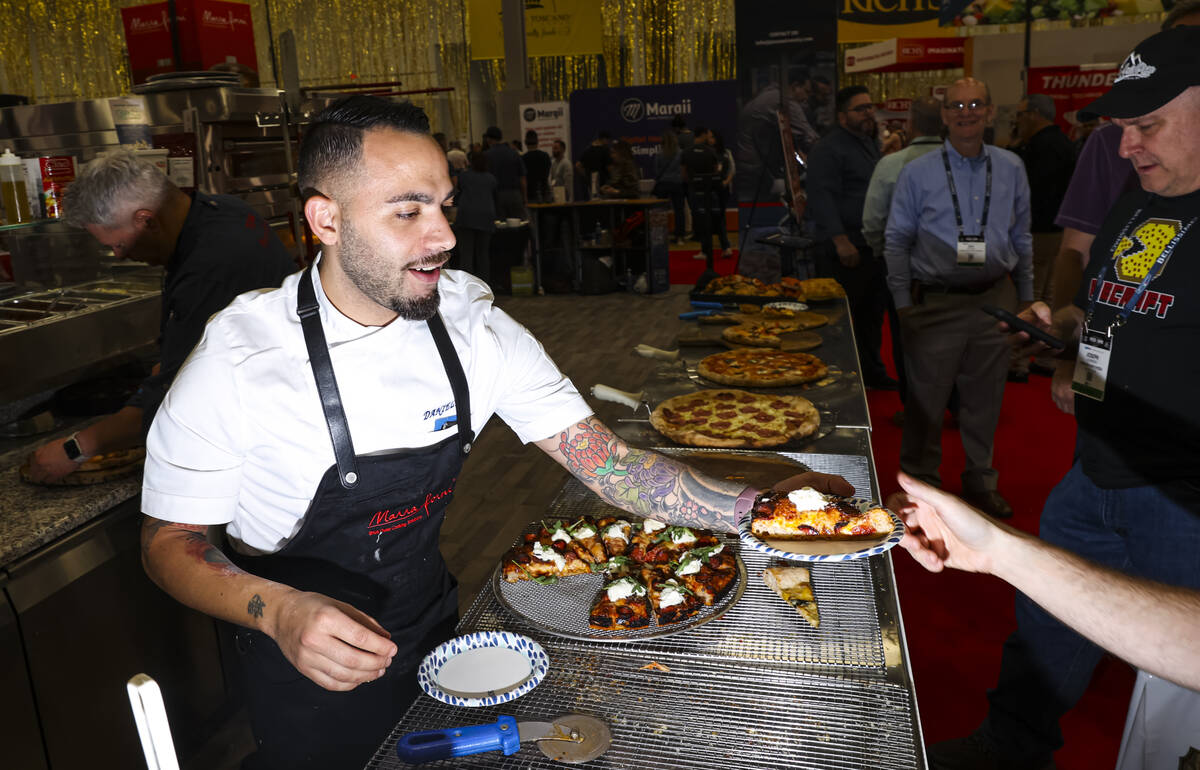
(571, 738)
(635, 401)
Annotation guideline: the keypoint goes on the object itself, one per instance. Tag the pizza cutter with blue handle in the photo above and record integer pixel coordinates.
(571, 738)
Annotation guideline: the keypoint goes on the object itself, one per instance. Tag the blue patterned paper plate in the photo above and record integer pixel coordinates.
(828, 550)
(431, 667)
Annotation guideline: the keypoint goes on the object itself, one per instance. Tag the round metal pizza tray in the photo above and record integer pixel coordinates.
(562, 608)
(835, 383)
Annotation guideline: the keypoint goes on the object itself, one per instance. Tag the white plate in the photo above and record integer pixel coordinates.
(483, 669)
(825, 550)
(797, 306)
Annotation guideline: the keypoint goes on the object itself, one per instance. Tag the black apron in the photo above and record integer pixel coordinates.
(369, 538)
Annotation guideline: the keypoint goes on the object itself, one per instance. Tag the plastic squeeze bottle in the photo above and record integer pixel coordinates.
(12, 189)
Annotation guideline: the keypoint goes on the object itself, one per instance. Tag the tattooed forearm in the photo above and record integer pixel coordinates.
(195, 539)
(255, 607)
(643, 482)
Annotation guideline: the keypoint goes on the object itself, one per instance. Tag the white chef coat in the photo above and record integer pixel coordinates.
(240, 438)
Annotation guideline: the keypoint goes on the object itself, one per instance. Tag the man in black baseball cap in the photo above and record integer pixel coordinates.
(1131, 498)
(1157, 87)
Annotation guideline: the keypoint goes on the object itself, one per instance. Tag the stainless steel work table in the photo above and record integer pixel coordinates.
(756, 688)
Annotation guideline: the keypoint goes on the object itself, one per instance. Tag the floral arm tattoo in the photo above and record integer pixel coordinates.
(196, 544)
(643, 482)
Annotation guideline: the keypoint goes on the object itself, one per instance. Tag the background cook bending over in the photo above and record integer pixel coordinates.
(214, 247)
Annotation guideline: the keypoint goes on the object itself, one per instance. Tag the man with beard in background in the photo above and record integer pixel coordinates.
(839, 172)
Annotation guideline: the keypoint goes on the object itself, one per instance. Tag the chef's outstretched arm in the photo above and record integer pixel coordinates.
(650, 484)
(330, 642)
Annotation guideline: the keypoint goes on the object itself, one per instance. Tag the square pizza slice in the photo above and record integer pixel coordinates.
(621, 604)
(670, 600)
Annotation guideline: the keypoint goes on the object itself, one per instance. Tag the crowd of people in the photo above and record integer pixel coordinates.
(1092, 250)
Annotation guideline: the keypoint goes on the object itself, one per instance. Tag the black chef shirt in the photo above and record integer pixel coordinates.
(224, 249)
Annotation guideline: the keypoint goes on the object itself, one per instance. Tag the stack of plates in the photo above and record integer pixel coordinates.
(178, 81)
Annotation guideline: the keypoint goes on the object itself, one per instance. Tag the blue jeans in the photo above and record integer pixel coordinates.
(1150, 531)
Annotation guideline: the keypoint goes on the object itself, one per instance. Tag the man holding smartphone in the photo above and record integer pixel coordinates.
(1132, 499)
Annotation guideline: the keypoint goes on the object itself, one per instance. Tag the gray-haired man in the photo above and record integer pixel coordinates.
(214, 247)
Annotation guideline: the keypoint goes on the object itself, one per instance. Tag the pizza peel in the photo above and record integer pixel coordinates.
(570, 738)
(634, 401)
(649, 351)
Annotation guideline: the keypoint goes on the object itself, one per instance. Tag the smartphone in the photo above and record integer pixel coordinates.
(1021, 325)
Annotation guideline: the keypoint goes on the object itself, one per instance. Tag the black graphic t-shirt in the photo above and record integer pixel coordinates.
(1147, 428)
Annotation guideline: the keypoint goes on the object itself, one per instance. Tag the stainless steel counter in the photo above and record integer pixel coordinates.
(758, 688)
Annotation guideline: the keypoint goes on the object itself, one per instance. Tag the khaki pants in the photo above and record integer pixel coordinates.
(949, 341)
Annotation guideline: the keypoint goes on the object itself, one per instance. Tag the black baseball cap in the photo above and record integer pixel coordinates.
(1160, 68)
(493, 132)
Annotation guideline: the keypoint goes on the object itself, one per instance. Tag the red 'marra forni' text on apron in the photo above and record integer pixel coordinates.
(386, 521)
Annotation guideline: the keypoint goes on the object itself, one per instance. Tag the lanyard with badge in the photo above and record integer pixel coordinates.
(1095, 343)
(972, 249)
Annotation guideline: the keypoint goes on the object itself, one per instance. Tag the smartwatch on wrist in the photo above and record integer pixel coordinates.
(71, 447)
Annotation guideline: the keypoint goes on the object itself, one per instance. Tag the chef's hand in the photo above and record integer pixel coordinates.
(1060, 386)
(332, 643)
(943, 531)
(846, 250)
(826, 483)
(50, 463)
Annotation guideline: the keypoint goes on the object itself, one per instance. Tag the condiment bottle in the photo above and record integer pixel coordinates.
(12, 189)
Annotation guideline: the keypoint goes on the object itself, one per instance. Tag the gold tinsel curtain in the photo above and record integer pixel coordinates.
(646, 42)
(62, 50)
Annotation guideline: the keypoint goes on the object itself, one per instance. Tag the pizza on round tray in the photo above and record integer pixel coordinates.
(735, 418)
(761, 368)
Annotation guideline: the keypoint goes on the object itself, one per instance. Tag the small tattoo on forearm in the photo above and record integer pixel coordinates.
(255, 607)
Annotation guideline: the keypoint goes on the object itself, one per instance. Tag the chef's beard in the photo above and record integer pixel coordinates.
(376, 279)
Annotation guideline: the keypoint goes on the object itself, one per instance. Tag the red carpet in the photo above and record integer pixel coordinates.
(956, 622)
(686, 269)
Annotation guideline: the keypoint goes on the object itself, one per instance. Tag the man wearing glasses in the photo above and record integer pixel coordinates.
(958, 238)
(839, 172)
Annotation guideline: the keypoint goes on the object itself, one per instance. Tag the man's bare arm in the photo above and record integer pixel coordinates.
(650, 484)
(330, 642)
(1069, 264)
(1153, 626)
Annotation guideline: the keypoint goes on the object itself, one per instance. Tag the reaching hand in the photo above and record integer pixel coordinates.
(826, 483)
(332, 643)
(943, 531)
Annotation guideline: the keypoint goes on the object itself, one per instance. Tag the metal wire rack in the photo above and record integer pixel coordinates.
(697, 714)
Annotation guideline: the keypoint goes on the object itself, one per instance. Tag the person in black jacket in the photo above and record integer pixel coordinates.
(1049, 160)
(214, 247)
(839, 171)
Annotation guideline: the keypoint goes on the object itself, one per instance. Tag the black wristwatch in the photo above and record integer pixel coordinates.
(71, 447)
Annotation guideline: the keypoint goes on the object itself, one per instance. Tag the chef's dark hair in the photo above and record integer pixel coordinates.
(333, 142)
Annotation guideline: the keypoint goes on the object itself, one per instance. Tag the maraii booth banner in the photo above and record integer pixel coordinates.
(550, 120)
(640, 114)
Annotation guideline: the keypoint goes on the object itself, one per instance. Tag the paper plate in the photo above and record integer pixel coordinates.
(483, 669)
(826, 550)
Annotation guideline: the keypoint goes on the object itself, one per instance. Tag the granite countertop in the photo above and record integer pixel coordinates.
(32, 516)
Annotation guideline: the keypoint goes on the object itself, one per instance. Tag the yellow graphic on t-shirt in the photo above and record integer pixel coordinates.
(1137, 252)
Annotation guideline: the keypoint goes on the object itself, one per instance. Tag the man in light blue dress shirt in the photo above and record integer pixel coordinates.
(944, 263)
